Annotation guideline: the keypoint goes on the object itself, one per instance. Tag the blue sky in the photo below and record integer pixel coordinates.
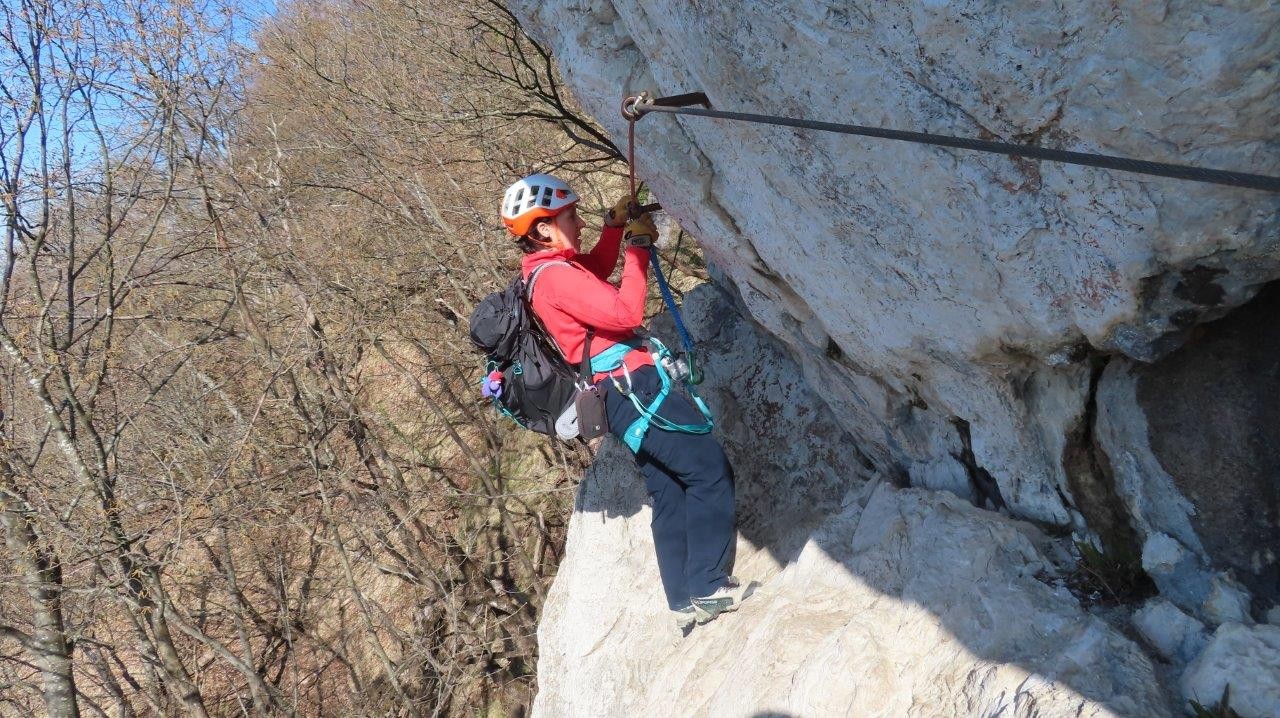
(112, 112)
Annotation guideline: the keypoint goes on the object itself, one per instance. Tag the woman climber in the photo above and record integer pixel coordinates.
(686, 474)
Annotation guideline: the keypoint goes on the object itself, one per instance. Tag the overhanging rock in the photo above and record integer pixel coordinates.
(926, 284)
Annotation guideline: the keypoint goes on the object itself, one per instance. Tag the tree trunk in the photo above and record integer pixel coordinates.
(42, 579)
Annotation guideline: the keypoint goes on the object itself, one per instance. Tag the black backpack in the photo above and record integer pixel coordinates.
(538, 385)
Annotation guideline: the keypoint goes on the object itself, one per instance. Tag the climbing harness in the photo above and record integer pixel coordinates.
(611, 360)
(637, 106)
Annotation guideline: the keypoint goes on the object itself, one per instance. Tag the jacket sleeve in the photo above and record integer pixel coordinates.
(596, 303)
(604, 256)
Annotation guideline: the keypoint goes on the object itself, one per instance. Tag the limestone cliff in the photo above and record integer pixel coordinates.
(959, 316)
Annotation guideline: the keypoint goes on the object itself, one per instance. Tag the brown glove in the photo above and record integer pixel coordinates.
(641, 231)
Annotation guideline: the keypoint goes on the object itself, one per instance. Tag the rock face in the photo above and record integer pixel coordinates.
(876, 600)
(993, 327)
(925, 284)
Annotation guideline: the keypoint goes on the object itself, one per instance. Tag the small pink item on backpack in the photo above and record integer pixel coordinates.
(492, 385)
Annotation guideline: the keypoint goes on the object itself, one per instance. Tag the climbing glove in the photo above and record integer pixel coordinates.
(620, 213)
(641, 231)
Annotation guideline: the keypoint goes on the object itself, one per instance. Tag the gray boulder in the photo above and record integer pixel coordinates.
(1248, 659)
(1175, 635)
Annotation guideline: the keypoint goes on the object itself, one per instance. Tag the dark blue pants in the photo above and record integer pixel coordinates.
(691, 485)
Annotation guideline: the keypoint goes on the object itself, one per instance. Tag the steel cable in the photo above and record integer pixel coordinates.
(636, 107)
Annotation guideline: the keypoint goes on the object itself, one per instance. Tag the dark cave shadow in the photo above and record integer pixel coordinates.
(812, 495)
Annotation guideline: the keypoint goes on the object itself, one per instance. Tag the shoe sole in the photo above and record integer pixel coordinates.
(686, 621)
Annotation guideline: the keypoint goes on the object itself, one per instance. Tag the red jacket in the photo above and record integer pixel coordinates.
(570, 299)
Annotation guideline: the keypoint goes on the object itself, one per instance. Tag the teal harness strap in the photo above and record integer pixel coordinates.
(612, 358)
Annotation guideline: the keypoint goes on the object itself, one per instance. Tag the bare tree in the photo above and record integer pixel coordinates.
(242, 465)
(86, 210)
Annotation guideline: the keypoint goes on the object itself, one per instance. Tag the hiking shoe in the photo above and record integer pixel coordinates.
(686, 619)
(723, 600)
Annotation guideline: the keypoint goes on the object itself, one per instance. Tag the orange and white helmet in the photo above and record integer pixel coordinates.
(533, 198)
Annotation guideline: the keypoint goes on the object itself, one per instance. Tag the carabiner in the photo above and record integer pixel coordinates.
(616, 385)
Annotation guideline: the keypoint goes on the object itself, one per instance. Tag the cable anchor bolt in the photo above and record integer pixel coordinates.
(631, 110)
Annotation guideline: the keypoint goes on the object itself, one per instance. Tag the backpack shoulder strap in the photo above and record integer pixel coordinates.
(533, 277)
(528, 297)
